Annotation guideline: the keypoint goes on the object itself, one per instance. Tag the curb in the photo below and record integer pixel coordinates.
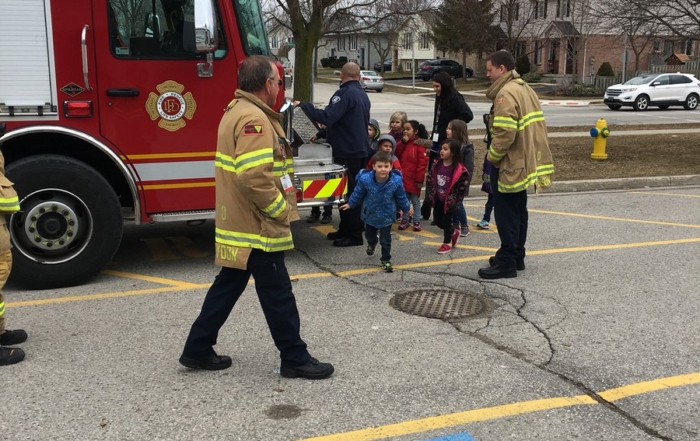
(623, 183)
(564, 103)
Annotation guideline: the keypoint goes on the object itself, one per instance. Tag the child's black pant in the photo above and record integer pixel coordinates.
(443, 220)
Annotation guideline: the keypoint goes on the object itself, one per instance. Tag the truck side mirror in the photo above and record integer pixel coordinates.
(205, 33)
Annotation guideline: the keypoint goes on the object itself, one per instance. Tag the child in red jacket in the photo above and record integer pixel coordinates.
(412, 152)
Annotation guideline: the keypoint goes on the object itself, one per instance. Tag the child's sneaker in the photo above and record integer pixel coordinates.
(416, 226)
(403, 225)
(464, 232)
(455, 237)
(444, 248)
(313, 217)
(326, 218)
(386, 266)
(370, 249)
(483, 225)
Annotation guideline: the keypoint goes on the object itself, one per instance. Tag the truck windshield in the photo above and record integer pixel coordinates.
(250, 22)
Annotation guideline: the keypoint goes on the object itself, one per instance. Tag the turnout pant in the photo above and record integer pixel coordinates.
(5, 268)
(274, 290)
(510, 210)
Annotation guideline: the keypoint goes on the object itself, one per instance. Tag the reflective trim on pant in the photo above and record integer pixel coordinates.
(511, 214)
(5, 269)
(276, 298)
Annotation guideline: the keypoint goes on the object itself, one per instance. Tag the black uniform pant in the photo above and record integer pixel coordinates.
(351, 224)
(274, 290)
(511, 214)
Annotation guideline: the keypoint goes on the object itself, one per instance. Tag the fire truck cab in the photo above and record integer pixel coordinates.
(112, 109)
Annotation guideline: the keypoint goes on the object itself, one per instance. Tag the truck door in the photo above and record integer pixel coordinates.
(156, 106)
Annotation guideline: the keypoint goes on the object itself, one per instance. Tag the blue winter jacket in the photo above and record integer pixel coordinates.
(379, 201)
(345, 117)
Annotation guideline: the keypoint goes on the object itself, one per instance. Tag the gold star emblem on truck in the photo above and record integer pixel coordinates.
(170, 106)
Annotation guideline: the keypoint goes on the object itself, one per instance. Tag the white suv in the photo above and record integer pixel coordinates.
(661, 90)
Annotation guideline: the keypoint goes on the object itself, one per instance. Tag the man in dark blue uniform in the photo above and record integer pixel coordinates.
(346, 117)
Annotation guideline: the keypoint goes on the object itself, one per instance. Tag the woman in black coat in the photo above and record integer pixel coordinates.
(449, 105)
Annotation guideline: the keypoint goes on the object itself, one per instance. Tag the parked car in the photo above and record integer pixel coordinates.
(660, 90)
(387, 66)
(371, 81)
(428, 68)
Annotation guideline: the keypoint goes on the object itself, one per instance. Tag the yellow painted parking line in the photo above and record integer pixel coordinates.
(506, 410)
(324, 229)
(107, 295)
(159, 280)
(460, 246)
(175, 285)
(619, 219)
(650, 386)
(658, 193)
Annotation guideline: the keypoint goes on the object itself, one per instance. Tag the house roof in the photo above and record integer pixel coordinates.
(563, 28)
(681, 57)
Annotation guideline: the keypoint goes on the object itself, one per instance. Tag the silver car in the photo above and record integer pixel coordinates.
(370, 80)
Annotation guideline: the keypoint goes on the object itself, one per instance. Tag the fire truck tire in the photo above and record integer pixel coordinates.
(69, 226)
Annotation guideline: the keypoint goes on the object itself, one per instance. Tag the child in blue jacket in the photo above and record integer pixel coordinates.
(380, 193)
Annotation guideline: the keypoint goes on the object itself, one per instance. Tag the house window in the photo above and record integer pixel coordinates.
(274, 42)
(668, 47)
(563, 8)
(340, 43)
(541, 9)
(519, 49)
(657, 46)
(407, 39)
(687, 47)
(510, 12)
(538, 52)
(424, 40)
(407, 66)
(290, 41)
(352, 42)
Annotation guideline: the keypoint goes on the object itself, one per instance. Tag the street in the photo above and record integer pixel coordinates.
(420, 107)
(596, 339)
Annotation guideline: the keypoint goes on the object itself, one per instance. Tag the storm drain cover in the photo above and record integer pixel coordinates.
(439, 303)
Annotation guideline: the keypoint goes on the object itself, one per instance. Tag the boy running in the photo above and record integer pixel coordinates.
(380, 193)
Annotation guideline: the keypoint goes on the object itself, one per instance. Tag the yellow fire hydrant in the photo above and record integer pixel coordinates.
(599, 133)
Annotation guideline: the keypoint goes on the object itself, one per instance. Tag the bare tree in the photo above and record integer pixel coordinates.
(459, 27)
(678, 17)
(309, 20)
(633, 24)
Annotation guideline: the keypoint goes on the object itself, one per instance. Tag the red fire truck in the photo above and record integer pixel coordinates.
(111, 108)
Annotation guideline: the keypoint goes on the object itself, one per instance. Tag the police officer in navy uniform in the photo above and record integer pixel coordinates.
(255, 201)
(345, 118)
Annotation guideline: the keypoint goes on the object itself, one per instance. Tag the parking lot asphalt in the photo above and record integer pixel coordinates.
(596, 339)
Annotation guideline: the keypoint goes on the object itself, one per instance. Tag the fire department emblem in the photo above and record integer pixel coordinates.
(170, 106)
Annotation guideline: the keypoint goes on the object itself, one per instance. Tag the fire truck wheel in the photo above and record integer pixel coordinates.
(69, 226)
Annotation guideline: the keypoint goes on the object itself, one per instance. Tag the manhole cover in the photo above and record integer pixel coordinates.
(440, 303)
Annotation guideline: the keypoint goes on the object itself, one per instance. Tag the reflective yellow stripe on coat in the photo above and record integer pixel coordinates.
(248, 240)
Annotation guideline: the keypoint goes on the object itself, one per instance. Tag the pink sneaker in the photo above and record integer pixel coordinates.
(444, 248)
(403, 225)
(416, 226)
(455, 237)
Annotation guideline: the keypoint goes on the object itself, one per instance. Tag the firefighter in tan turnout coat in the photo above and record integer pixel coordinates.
(9, 203)
(519, 152)
(255, 201)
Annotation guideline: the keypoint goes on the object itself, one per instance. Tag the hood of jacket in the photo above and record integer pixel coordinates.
(373, 122)
(387, 138)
